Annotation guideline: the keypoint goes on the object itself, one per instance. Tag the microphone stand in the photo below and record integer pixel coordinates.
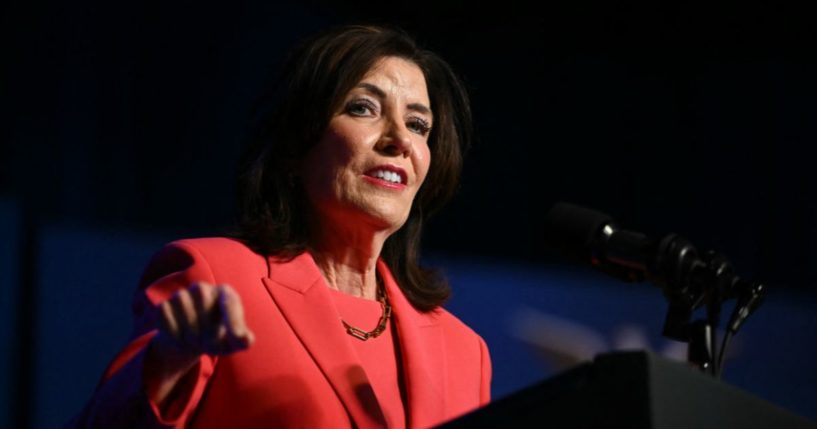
(689, 282)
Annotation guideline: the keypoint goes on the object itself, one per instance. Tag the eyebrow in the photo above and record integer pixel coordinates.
(417, 107)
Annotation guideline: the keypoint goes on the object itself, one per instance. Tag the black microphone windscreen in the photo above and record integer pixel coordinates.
(572, 229)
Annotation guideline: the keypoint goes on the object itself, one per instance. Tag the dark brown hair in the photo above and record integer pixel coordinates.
(316, 77)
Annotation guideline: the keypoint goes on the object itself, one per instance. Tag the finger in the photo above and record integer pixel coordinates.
(167, 320)
(218, 343)
(185, 312)
(203, 297)
(238, 335)
(211, 333)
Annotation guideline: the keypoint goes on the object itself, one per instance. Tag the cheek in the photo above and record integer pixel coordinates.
(422, 162)
(320, 170)
(332, 155)
(335, 146)
(343, 144)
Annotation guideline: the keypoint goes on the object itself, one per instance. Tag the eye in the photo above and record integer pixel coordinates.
(361, 107)
(419, 126)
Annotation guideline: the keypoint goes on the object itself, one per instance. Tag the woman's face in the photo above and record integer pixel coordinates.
(374, 155)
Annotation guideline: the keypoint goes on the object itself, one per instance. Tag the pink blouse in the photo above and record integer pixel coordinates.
(380, 356)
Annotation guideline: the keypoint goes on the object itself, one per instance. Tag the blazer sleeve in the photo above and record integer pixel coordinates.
(486, 373)
(120, 399)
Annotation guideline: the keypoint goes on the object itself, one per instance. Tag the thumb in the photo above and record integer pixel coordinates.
(232, 313)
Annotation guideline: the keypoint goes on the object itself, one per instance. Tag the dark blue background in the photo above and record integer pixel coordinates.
(120, 125)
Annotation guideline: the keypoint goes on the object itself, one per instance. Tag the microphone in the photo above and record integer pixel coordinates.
(688, 280)
(672, 263)
(590, 236)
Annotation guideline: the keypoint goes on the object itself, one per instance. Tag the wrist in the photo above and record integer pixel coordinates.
(165, 365)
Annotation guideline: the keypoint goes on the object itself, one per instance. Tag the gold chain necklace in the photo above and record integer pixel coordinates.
(381, 325)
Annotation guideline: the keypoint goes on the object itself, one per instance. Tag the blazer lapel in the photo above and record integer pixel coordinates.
(422, 352)
(299, 290)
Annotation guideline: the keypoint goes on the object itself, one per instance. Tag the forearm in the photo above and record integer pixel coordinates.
(164, 370)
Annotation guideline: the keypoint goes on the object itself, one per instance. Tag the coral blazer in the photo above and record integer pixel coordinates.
(302, 370)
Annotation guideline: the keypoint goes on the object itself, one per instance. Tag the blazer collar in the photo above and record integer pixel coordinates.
(300, 291)
(421, 346)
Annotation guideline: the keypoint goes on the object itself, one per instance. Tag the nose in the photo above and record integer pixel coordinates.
(396, 140)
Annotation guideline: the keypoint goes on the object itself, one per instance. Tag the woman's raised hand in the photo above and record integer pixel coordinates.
(205, 318)
(201, 319)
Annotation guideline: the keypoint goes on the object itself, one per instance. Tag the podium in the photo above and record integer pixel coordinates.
(631, 390)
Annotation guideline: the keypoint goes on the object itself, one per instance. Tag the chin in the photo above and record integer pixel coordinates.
(389, 221)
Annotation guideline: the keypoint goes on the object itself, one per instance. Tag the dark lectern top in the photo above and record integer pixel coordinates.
(631, 390)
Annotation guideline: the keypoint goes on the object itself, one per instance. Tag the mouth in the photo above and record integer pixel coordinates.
(388, 175)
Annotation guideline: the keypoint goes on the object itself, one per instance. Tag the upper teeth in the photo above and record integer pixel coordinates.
(388, 176)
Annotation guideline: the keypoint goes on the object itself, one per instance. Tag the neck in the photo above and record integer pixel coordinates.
(348, 259)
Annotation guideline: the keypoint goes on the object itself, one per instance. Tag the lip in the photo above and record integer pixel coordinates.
(368, 176)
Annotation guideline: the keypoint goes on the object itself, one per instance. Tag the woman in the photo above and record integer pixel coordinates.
(317, 314)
